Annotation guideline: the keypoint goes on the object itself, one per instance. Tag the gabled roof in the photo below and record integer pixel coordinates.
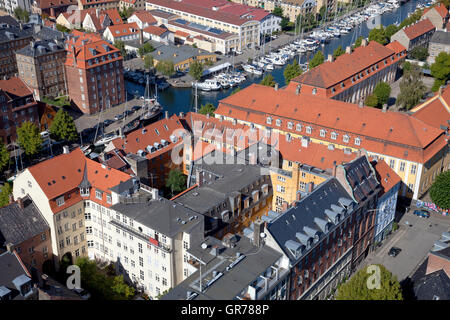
(419, 28)
(145, 16)
(345, 66)
(396, 46)
(14, 88)
(12, 267)
(436, 110)
(439, 8)
(158, 31)
(387, 177)
(433, 286)
(124, 29)
(391, 133)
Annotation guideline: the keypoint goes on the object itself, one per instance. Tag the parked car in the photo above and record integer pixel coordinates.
(422, 213)
(394, 251)
(118, 116)
(238, 52)
(107, 122)
(136, 108)
(82, 293)
(127, 112)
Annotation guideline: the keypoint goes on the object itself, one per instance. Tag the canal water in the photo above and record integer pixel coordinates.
(176, 100)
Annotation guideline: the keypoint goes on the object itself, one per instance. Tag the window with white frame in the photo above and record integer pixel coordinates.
(280, 188)
(60, 201)
(402, 166)
(290, 125)
(322, 132)
(298, 127)
(333, 135)
(308, 129)
(278, 122)
(413, 169)
(98, 194)
(357, 141)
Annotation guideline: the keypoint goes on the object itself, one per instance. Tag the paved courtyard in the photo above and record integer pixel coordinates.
(415, 242)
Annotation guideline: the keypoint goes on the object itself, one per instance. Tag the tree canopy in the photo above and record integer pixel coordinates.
(358, 42)
(382, 91)
(357, 287)
(119, 44)
(440, 190)
(126, 12)
(268, 81)
(22, 14)
(63, 127)
(293, 70)
(166, 67)
(377, 34)
(176, 181)
(278, 11)
(4, 194)
(196, 70)
(412, 88)
(440, 70)
(316, 60)
(338, 52)
(371, 100)
(207, 109)
(390, 30)
(29, 138)
(419, 53)
(146, 48)
(148, 61)
(4, 156)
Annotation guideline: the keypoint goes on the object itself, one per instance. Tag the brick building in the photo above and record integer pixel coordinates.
(352, 76)
(94, 71)
(41, 67)
(12, 39)
(24, 229)
(415, 35)
(17, 105)
(50, 7)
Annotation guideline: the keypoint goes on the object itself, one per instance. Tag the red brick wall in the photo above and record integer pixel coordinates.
(37, 257)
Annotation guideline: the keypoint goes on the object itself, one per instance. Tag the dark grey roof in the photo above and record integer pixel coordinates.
(39, 48)
(433, 286)
(11, 33)
(362, 178)
(18, 225)
(311, 216)
(46, 33)
(11, 269)
(161, 215)
(183, 53)
(233, 281)
(125, 186)
(230, 178)
(9, 20)
(441, 37)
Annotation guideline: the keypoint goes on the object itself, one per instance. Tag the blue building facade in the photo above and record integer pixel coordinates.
(385, 213)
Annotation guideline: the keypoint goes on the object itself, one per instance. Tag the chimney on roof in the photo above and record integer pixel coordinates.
(285, 206)
(330, 58)
(181, 115)
(167, 114)
(121, 133)
(440, 90)
(348, 49)
(20, 203)
(298, 196)
(334, 170)
(297, 89)
(74, 56)
(141, 37)
(11, 199)
(276, 86)
(258, 229)
(9, 247)
(199, 178)
(97, 12)
(310, 187)
(252, 158)
(66, 150)
(384, 108)
(364, 43)
(361, 103)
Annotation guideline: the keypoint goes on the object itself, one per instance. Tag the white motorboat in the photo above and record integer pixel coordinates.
(107, 138)
(207, 85)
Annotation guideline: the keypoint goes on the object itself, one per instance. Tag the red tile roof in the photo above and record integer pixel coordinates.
(92, 48)
(124, 29)
(419, 28)
(44, 4)
(390, 133)
(345, 66)
(158, 31)
(439, 8)
(154, 133)
(15, 87)
(396, 46)
(436, 110)
(385, 175)
(114, 15)
(145, 16)
(181, 34)
(91, 2)
(64, 173)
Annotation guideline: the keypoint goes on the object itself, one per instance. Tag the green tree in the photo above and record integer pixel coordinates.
(126, 13)
(119, 44)
(62, 28)
(4, 156)
(338, 52)
(166, 67)
(21, 14)
(382, 91)
(292, 70)
(412, 88)
(377, 34)
(63, 127)
(419, 53)
(278, 11)
(29, 138)
(358, 42)
(440, 70)
(318, 59)
(406, 66)
(148, 61)
(371, 100)
(357, 289)
(440, 190)
(196, 70)
(146, 48)
(176, 181)
(322, 12)
(207, 109)
(284, 23)
(6, 190)
(390, 30)
(268, 81)
(120, 288)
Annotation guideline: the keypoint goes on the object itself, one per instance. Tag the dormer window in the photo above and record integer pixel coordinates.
(346, 138)
(308, 129)
(333, 135)
(84, 192)
(290, 125)
(108, 198)
(298, 127)
(342, 85)
(322, 132)
(269, 120)
(314, 91)
(357, 141)
(98, 194)
(60, 201)
(278, 122)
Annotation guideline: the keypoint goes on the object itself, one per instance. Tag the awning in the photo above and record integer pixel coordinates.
(216, 68)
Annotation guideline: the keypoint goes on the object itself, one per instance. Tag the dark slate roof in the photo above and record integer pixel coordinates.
(433, 286)
(183, 53)
(312, 215)
(10, 33)
(18, 225)
(46, 33)
(11, 269)
(161, 215)
(9, 20)
(362, 178)
(233, 281)
(39, 48)
(441, 37)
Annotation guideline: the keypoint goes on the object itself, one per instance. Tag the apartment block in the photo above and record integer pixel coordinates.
(415, 35)
(438, 16)
(11, 40)
(41, 67)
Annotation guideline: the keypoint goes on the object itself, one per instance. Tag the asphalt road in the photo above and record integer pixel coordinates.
(415, 242)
